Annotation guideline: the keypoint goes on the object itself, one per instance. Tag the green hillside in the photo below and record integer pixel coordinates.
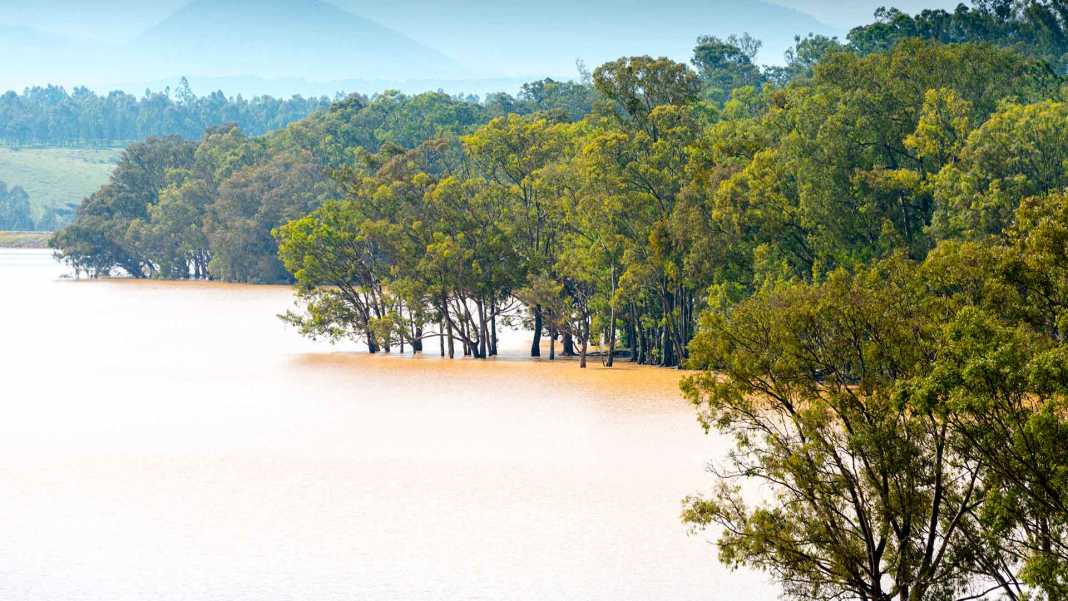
(56, 176)
(24, 239)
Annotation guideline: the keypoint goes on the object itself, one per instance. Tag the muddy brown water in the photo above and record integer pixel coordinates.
(176, 441)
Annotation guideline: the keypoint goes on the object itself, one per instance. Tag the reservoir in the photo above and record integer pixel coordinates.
(176, 441)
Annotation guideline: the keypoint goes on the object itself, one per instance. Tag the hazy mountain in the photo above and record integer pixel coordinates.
(514, 36)
(375, 44)
(286, 38)
(113, 21)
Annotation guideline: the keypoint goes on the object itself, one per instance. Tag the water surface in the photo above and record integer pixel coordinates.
(175, 441)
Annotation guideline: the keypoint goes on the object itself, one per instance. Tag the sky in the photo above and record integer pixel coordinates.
(490, 39)
(126, 18)
(849, 13)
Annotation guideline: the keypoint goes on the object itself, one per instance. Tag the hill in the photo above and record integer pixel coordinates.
(24, 239)
(54, 177)
(366, 46)
(509, 37)
(284, 38)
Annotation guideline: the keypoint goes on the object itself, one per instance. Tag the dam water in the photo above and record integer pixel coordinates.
(176, 441)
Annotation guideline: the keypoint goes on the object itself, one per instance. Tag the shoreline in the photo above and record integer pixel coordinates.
(25, 240)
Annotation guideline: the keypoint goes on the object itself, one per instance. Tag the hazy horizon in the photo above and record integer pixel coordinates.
(466, 47)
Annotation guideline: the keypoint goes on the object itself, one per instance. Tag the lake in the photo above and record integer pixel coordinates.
(176, 441)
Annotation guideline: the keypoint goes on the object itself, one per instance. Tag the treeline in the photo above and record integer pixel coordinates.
(177, 208)
(619, 229)
(1037, 28)
(52, 116)
(1034, 28)
(868, 267)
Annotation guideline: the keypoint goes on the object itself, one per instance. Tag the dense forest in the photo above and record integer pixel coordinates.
(51, 116)
(863, 254)
(176, 208)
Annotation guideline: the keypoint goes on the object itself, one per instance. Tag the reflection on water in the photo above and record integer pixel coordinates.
(175, 441)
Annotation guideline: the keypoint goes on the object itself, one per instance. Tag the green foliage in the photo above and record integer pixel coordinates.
(15, 209)
(725, 65)
(1021, 152)
(1038, 28)
(635, 86)
(846, 169)
(249, 204)
(51, 116)
(208, 211)
(928, 394)
(866, 500)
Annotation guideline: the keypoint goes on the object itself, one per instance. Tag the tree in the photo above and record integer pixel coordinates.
(101, 235)
(339, 273)
(1036, 28)
(1020, 152)
(725, 65)
(1001, 369)
(512, 152)
(15, 209)
(871, 499)
(635, 86)
(801, 60)
(251, 203)
(172, 238)
(846, 176)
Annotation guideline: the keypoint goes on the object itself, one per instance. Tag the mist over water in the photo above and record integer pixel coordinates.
(172, 441)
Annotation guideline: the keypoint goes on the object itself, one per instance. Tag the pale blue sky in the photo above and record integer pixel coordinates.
(98, 18)
(848, 13)
(514, 39)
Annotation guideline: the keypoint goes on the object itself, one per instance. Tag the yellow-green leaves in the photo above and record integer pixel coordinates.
(1021, 151)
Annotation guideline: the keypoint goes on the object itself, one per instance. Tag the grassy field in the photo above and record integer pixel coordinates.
(24, 239)
(56, 176)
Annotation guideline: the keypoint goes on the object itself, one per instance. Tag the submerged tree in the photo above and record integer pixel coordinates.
(869, 497)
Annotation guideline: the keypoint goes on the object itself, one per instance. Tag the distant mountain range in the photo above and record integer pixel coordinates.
(503, 36)
(287, 38)
(310, 45)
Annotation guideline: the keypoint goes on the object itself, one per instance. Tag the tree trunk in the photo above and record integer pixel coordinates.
(466, 336)
(584, 343)
(643, 345)
(612, 323)
(535, 347)
(483, 331)
(417, 342)
(552, 344)
(667, 348)
(632, 335)
(493, 333)
(569, 345)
